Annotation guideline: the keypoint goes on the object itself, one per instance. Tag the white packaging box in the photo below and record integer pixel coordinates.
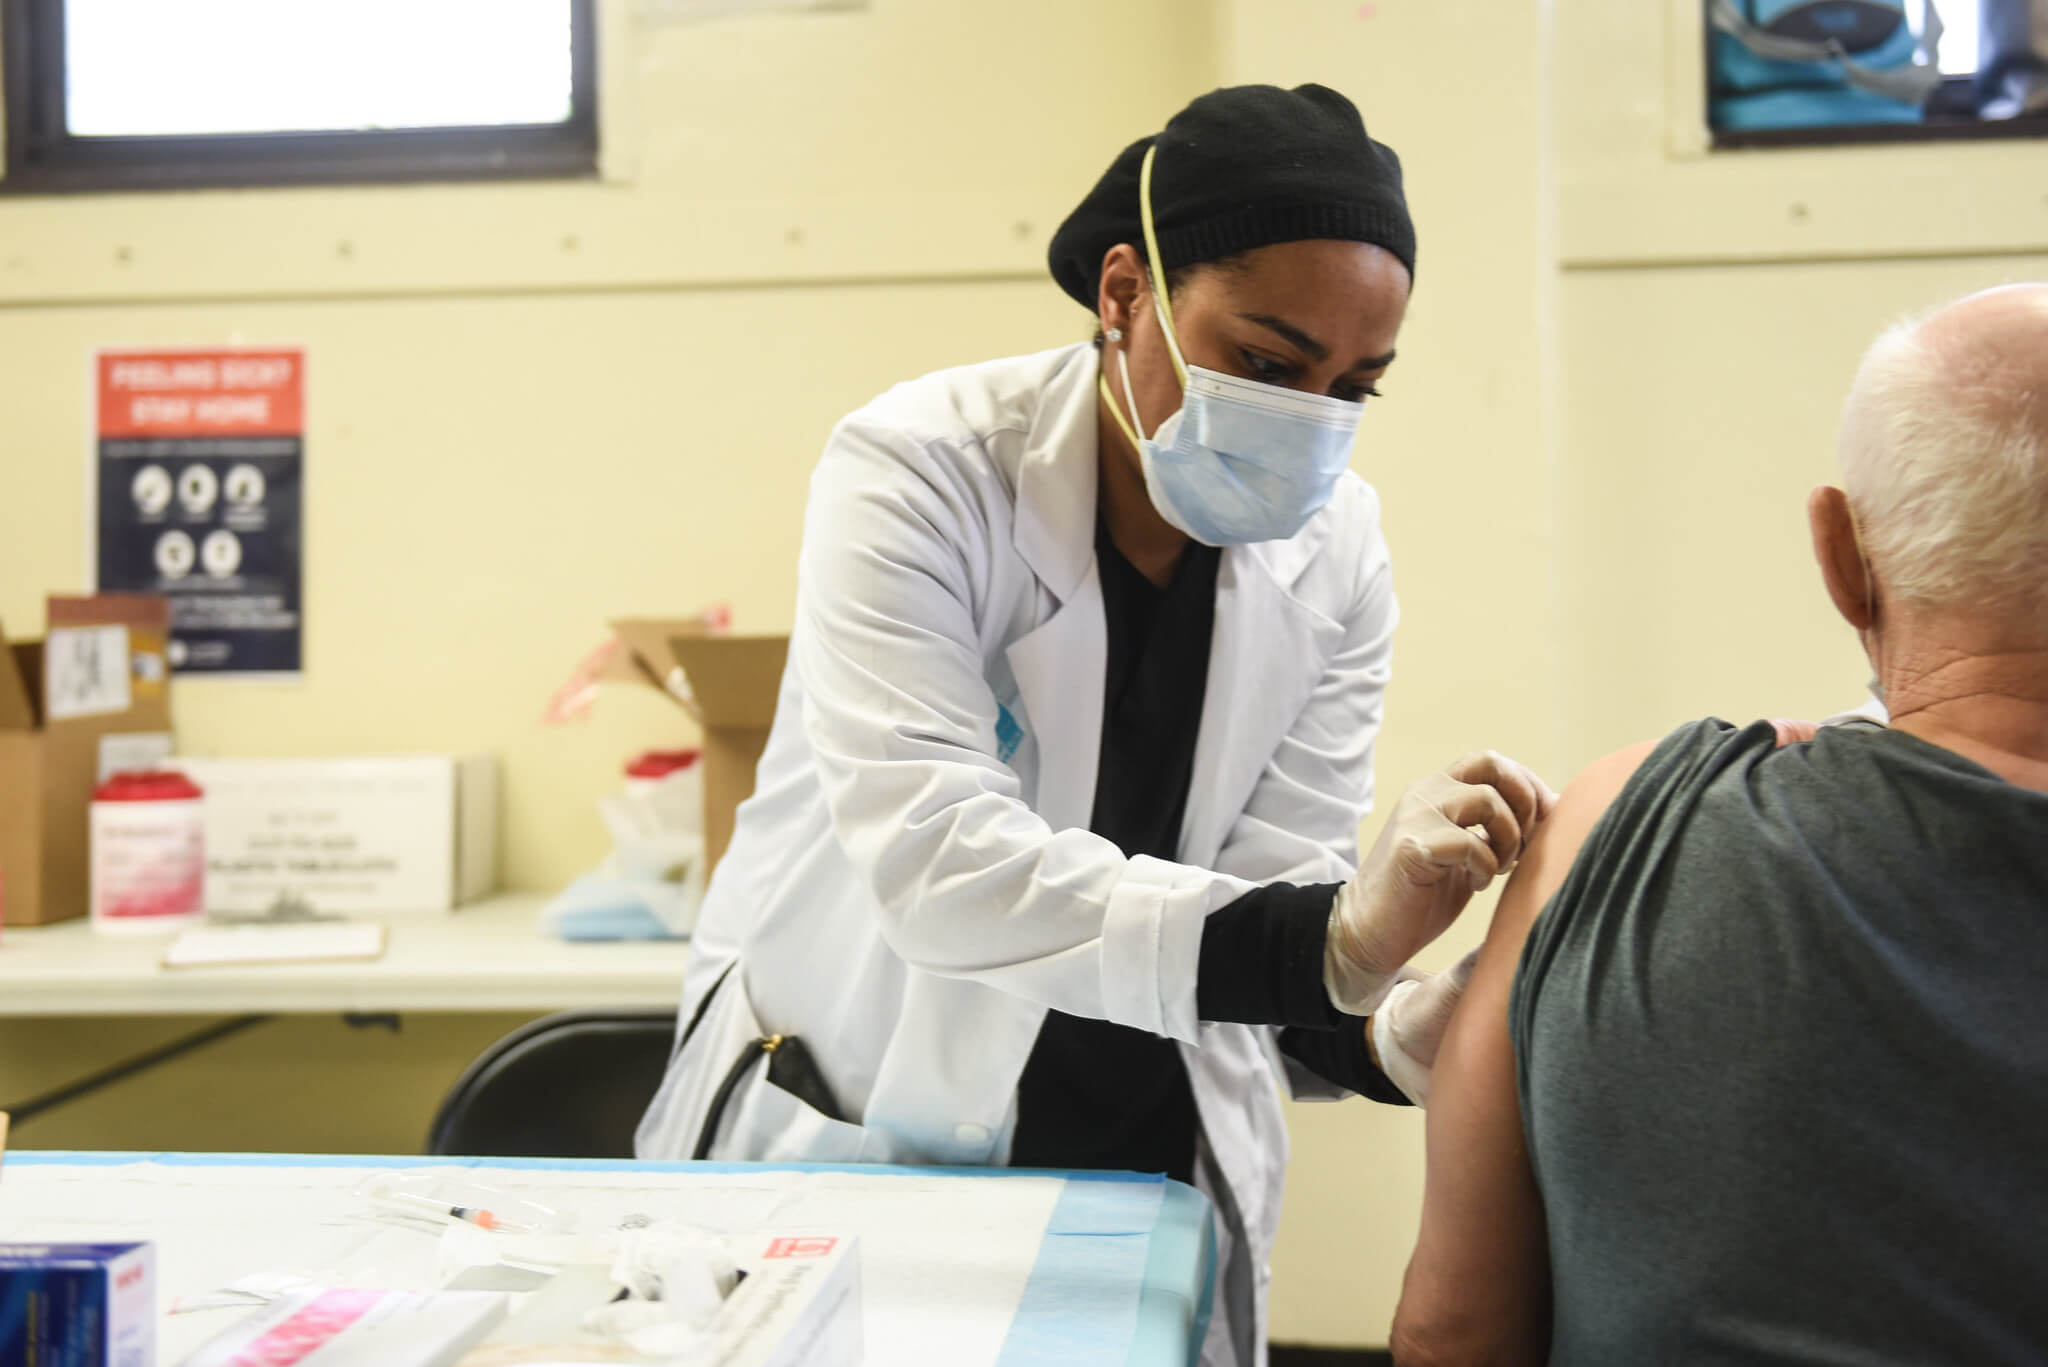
(361, 836)
(798, 1307)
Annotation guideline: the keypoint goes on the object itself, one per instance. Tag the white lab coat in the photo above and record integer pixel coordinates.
(913, 883)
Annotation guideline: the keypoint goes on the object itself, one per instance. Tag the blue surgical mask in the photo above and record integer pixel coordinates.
(1240, 461)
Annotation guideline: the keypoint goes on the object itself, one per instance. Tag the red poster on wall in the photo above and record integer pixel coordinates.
(201, 459)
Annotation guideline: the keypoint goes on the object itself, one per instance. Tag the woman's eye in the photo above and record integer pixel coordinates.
(1357, 393)
(1265, 369)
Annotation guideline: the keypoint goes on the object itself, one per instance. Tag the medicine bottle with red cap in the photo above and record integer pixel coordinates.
(148, 853)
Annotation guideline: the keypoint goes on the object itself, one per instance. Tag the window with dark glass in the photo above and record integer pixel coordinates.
(134, 94)
(1791, 72)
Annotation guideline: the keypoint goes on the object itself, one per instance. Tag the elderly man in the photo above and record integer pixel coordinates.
(1766, 1081)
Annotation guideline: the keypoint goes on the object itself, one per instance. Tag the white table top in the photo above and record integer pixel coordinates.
(485, 957)
(962, 1267)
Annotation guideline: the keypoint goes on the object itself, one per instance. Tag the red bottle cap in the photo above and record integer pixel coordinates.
(661, 763)
(148, 785)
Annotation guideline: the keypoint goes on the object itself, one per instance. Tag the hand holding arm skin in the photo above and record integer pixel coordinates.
(1424, 868)
(1408, 1027)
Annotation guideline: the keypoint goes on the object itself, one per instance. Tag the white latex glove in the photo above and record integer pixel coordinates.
(1447, 838)
(1409, 1027)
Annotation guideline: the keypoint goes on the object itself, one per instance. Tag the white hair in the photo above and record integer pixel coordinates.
(1944, 452)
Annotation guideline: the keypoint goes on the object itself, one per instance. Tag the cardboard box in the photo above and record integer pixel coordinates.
(728, 683)
(91, 698)
(77, 1305)
(361, 836)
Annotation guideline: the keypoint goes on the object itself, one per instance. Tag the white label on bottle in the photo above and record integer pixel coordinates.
(85, 672)
(148, 861)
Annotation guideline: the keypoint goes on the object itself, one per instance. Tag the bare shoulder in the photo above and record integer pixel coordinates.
(1556, 843)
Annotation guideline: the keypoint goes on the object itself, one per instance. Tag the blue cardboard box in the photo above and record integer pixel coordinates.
(77, 1305)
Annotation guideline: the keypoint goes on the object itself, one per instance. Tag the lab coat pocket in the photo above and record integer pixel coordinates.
(770, 1101)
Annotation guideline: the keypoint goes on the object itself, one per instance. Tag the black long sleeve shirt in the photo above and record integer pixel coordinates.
(1099, 1095)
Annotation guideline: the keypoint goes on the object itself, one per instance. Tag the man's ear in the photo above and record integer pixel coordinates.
(1123, 281)
(1842, 567)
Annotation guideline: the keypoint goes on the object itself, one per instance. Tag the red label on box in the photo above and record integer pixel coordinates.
(201, 393)
(801, 1248)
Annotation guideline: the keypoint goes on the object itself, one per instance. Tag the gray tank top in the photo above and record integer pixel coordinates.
(1782, 1045)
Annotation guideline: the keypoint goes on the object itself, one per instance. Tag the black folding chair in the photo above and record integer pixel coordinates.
(573, 1085)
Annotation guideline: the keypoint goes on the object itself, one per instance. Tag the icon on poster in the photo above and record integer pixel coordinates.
(151, 490)
(174, 555)
(178, 652)
(198, 487)
(244, 486)
(221, 553)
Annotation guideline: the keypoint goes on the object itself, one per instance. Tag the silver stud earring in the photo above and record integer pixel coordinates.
(1114, 334)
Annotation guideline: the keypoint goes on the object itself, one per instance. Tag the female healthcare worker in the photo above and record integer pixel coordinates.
(1050, 859)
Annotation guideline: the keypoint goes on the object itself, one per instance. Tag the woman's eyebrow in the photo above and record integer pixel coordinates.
(1290, 332)
(1309, 344)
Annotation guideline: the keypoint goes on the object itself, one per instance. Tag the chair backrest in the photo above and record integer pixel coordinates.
(571, 1085)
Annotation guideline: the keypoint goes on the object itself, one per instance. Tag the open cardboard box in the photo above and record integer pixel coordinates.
(91, 698)
(727, 683)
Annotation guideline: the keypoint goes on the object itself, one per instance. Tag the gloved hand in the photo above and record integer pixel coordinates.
(1424, 868)
(1409, 1026)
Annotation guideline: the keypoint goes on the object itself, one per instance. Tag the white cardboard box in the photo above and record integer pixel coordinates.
(367, 836)
(798, 1307)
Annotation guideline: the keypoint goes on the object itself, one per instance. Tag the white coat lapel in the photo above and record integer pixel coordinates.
(1059, 669)
(1266, 652)
(1059, 664)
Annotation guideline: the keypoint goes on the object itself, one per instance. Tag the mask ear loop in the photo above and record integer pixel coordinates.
(1156, 282)
(1102, 386)
(1180, 367)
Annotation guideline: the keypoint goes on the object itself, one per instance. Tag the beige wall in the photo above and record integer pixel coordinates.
(533, 406)
(1713, 308)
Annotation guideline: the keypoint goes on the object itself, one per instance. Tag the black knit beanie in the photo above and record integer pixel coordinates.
(1240, 168)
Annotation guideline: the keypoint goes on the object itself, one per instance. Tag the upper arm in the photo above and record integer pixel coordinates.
(886, 606)
(897, 708)
(1478, 1285)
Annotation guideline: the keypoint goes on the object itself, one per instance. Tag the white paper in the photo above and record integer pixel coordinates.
(85, 672)
(132, 750)
(275, 944)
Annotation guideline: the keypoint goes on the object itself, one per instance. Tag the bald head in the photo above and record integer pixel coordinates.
(1944, 452)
